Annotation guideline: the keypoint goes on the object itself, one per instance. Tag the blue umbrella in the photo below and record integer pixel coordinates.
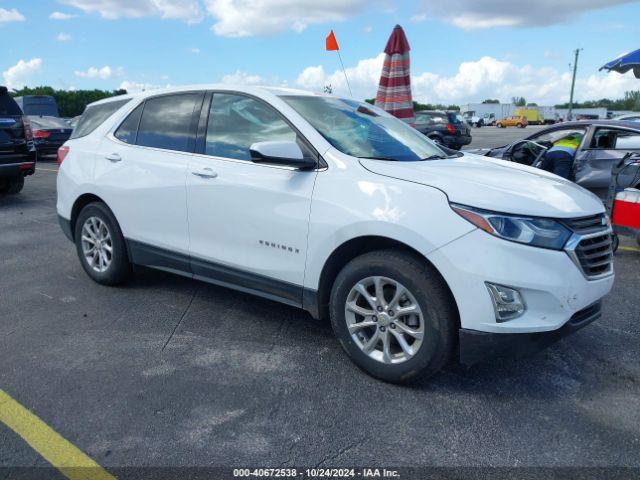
(624, 63)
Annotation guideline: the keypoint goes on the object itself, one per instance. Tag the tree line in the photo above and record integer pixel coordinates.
(70, 102)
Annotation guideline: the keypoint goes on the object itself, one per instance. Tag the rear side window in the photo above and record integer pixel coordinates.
(128, 129)
(8, 105)
(94, 115)
(166, 122)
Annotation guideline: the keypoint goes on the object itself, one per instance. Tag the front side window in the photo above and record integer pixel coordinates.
(166, 122)
(555, 135)
(363, 131)
(94, 115)
(236, 122)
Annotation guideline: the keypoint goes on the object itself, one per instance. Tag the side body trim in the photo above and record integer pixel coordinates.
(217, 274)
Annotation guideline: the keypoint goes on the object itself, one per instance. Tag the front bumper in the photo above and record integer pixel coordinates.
(476, 347)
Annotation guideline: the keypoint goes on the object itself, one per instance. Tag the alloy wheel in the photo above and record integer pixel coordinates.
(384, 319)
(97, 245)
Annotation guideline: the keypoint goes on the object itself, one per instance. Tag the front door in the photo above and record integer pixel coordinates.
(594, 161)
(248, 222)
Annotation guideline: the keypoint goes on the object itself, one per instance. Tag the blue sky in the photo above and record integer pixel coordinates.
(462, 51)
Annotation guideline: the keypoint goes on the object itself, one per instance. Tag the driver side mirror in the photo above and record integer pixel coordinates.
(285, 153)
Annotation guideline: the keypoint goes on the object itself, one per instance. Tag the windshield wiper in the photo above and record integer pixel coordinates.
(434, 157)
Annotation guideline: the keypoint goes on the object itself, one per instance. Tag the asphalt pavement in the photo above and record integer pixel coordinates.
(168, 371)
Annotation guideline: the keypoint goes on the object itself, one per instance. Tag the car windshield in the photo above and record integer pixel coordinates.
(363, 131)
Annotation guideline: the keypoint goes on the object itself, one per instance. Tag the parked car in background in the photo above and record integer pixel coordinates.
(335, 206)
(38, 105)
(514, 121)
(446, 128)
(603, 143)
(631, 117)
(49, 133)
(17, 152)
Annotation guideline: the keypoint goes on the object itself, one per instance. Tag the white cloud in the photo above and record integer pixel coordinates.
(63, 37)
(187, 10)
(475, 81)
(12, 15)
(244, 18)
(243, 78)
(475, 14)
(134, 87)
(104, 73)
(18, 75)
(367, 29)
(194, 50)
(61, 16)
(363, 78)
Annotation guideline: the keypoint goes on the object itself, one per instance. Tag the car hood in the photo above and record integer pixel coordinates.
(493, 184)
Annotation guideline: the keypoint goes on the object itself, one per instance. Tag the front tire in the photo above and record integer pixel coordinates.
(100, 245)
(393, 315)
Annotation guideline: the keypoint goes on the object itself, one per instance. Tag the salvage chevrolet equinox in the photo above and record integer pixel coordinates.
(416, 253)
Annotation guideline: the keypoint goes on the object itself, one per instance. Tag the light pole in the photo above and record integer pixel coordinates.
(573, 83)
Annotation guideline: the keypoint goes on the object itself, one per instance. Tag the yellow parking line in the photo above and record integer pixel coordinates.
(71, 462)
(39, 169)
(630, 249)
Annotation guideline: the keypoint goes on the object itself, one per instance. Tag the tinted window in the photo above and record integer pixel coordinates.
(628, 141)
(166, 122)
(614, 139)
(236, 122)
(94, 115)
(129, 128)
(8, 105)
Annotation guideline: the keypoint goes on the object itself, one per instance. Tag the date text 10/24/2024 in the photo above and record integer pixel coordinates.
(316, 473)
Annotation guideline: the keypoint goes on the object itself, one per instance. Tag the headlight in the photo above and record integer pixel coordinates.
(538, 232)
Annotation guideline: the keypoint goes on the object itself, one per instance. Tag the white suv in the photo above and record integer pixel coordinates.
(416, 254)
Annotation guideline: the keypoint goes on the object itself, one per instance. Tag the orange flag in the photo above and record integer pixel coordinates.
(331, 42)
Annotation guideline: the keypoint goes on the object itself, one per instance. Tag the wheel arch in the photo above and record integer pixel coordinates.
(81, 202)
(355, 247)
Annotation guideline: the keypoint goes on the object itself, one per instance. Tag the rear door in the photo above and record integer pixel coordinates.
(603, 147)
(141, 172)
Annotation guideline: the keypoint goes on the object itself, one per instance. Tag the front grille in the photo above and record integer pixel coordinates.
(584, 225)
(595, 254)
(591, 245)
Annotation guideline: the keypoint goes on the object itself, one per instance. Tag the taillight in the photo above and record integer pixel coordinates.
(28, 133)
(41, 134)
(451, 129)
(62, 153)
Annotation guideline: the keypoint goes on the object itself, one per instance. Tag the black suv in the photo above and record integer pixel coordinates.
(17, 151)
(446, 128)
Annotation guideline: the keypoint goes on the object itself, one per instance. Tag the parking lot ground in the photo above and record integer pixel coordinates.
(167, 371)
(489, 137)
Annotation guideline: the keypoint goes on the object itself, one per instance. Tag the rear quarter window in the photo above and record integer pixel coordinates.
(95, 115)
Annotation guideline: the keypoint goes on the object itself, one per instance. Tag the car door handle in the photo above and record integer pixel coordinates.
(205, 173)
(113, 157)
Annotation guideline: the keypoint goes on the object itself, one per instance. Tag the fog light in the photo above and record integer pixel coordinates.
(507, 302)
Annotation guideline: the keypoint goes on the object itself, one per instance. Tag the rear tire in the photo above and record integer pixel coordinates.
(12, 185)
(520, 125)
(100, 245)
(407, 284)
